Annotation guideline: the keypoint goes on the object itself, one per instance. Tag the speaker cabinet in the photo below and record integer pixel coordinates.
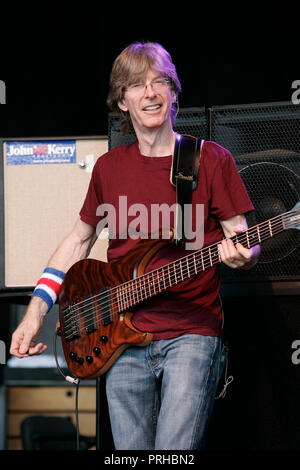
(44, 184)
(265, 142)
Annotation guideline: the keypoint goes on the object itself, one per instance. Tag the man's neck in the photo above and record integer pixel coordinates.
(157, 143)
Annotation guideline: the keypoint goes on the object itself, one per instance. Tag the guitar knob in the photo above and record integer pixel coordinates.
(72, 355)
(97, 350)
(80, 360)
(89, 359)
(104, 339)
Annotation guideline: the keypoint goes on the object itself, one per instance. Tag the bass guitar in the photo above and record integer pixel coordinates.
(96, 297)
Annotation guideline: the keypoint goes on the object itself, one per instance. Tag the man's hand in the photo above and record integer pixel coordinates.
(237, 256)
(26, 334)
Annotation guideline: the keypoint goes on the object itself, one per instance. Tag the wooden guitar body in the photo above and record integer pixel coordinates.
(93, 332)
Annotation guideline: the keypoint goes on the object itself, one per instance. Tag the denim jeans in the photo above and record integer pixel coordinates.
(161, 396)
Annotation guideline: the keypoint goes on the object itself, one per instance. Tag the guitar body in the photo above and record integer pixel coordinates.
(93, 333)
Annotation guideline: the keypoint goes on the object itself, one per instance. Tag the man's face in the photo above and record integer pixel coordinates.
(149, 102)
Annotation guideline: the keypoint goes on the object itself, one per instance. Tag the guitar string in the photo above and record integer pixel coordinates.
(181, 271)
(129, 294)
(242, 237)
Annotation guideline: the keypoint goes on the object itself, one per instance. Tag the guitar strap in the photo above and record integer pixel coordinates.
(184, 176)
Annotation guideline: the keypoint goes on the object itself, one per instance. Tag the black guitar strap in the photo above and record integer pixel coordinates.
(184, 176)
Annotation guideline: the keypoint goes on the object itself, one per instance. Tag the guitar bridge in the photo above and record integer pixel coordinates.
(71, 325)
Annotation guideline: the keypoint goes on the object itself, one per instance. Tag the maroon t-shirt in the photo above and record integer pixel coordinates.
(124, 178)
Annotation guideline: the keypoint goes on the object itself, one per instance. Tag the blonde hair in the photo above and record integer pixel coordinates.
(131, 65)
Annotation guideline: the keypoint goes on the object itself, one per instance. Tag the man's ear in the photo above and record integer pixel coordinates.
(174, 97)
(122, 106)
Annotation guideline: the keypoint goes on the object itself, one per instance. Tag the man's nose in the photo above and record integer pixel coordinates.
(149, 90)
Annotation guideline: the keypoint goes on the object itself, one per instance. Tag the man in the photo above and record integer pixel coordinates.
(160, 396)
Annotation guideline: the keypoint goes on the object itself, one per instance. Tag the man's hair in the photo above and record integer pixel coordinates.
(132, 65)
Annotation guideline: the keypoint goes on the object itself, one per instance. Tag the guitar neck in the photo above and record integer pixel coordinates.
(159, 280)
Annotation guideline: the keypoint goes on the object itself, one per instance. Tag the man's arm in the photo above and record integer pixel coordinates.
(73, 248)
(237, 256)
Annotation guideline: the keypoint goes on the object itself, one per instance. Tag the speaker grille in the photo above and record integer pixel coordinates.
(265, 142)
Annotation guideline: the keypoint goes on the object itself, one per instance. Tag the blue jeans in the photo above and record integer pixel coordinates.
(161, 396)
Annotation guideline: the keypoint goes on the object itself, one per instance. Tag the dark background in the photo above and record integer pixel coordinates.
(56, 64)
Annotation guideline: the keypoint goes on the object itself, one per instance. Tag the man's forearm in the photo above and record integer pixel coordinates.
(73, 248)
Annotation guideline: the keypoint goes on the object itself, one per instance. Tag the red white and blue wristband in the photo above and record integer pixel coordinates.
(48, 286)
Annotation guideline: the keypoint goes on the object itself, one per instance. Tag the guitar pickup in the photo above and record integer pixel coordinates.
(88, 311)
(105, 306)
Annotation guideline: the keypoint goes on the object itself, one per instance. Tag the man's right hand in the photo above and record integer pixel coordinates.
(26, 334)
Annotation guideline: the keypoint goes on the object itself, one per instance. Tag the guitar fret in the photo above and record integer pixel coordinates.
(175, 273)
(126, 298)
(270, 228)
(211, 263)
(202, 261)
(258, 234)
(164, 280)
(149, 286)
(153, 283)
(214, 253)
(131, 293)
(187, 266)
(138, 289)
(118, 300)
(219, 255)
(181, 270)
(194, 257)
(170, 283)
(123, 298)
(159, 282)
(248, 244)
(144, 286)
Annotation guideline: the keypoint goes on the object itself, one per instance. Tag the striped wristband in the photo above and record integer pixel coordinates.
(48, 286)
